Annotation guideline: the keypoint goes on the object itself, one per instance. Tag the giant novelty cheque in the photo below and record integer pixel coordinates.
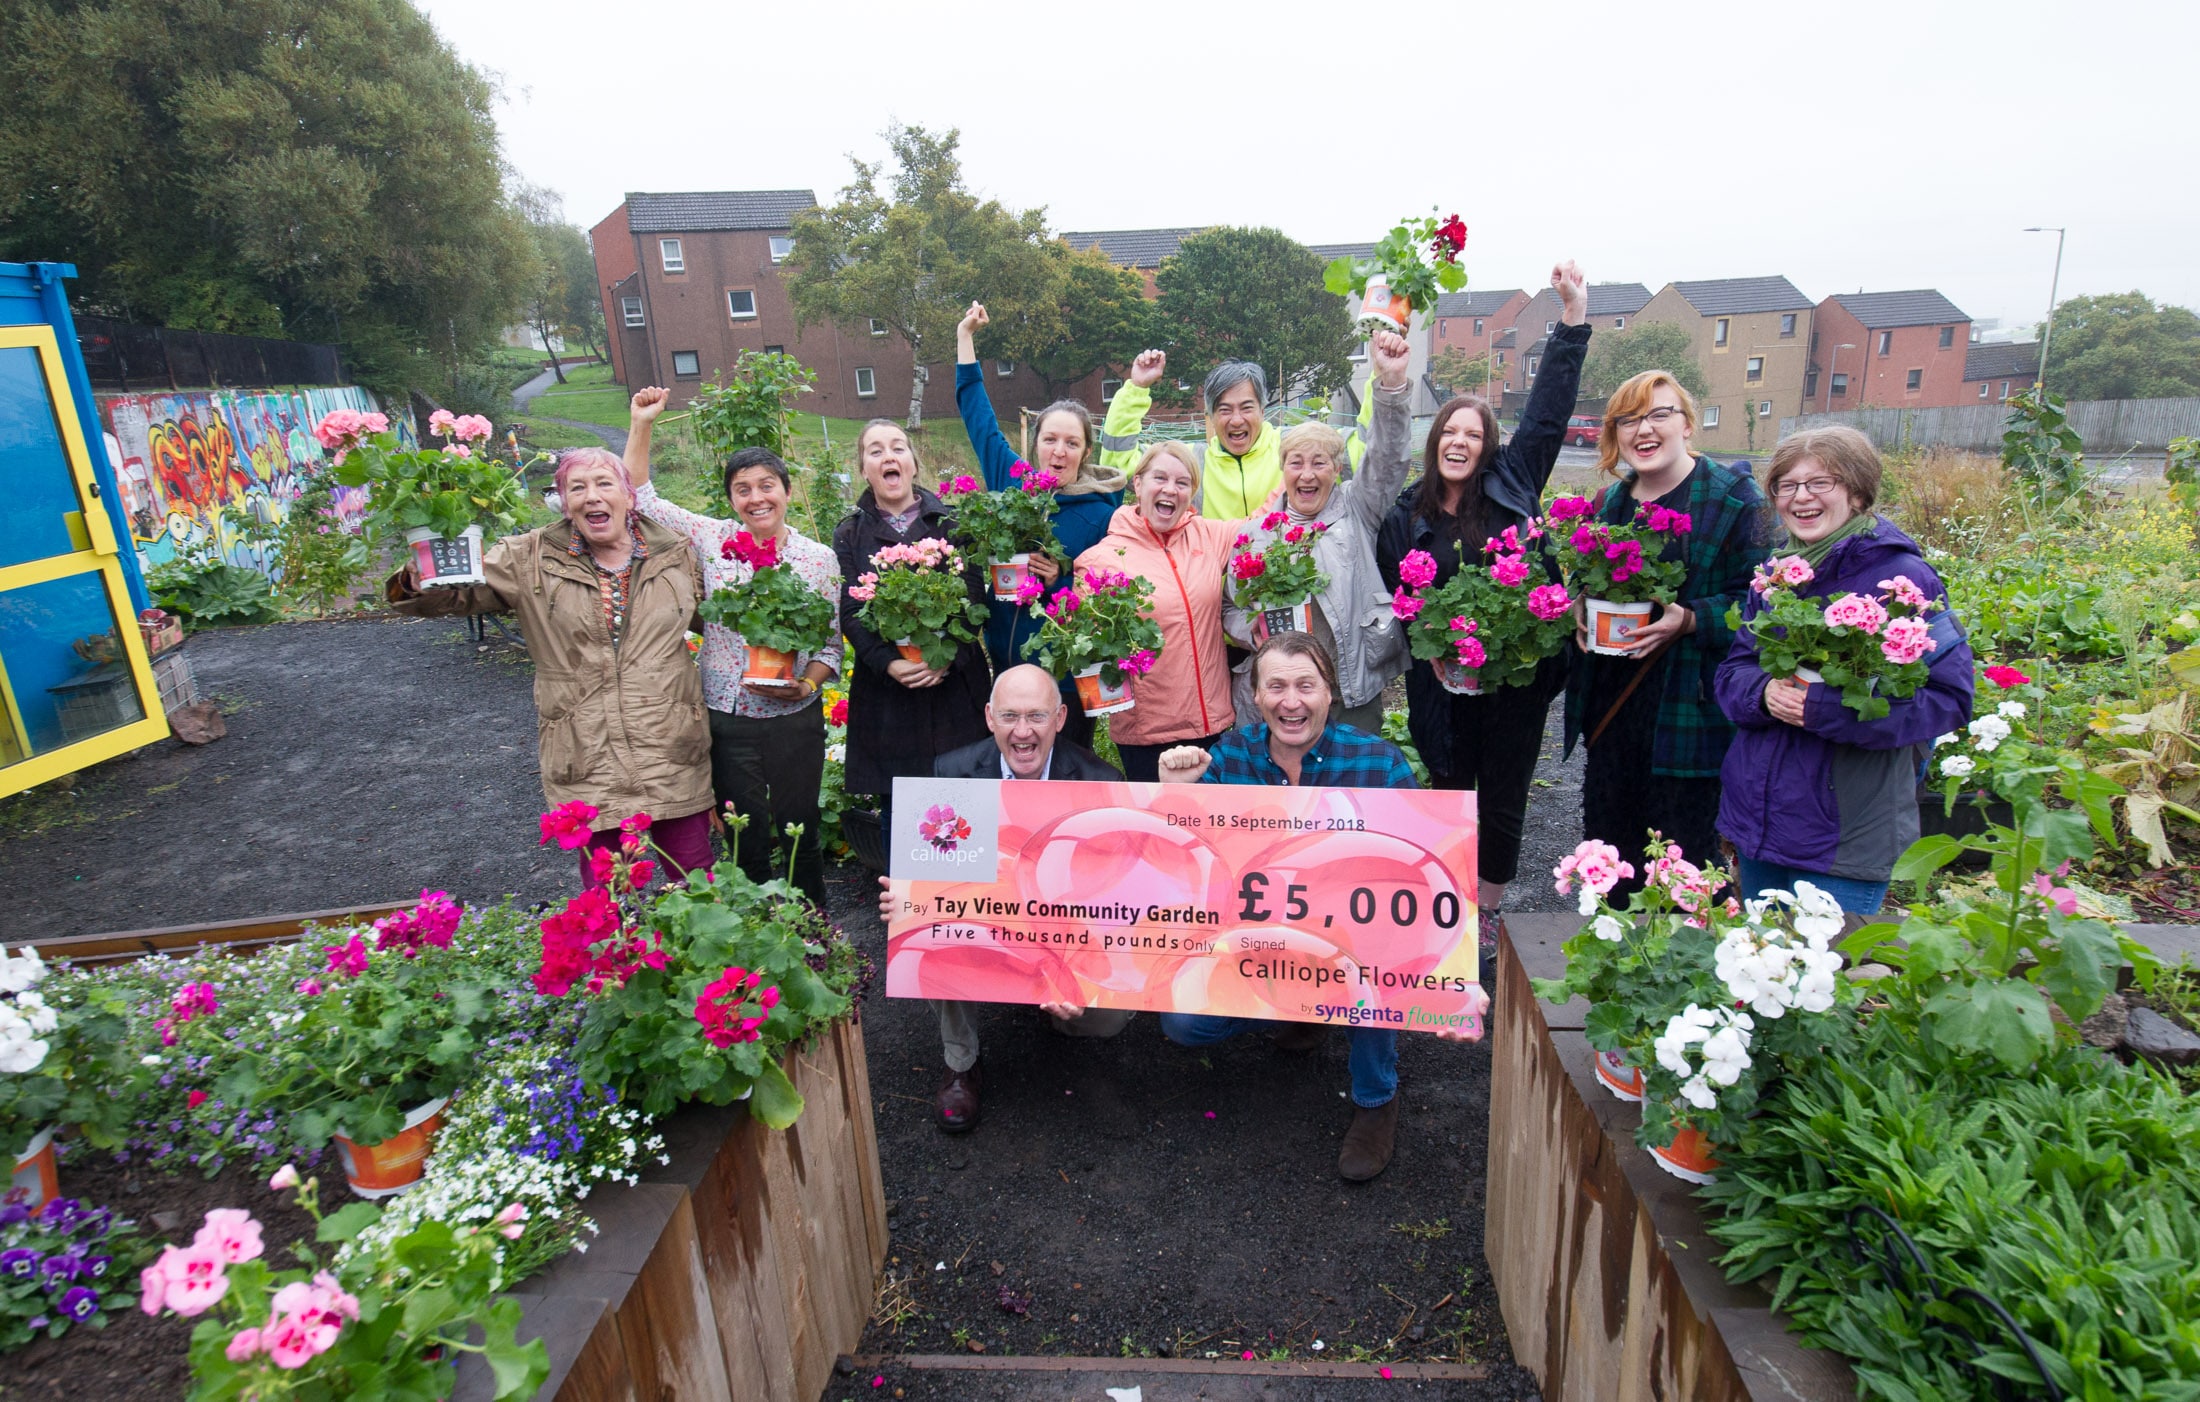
(1347, 906)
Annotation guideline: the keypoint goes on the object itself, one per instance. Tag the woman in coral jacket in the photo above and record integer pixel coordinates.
(1185, 699)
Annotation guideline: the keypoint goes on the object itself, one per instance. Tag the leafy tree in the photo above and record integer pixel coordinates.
(325, 170)
(1094, 316)
(1254, 294)
(750, 409)
(2124, 346)
(563, 266)
(914, 252)
(1618, 356)
(1460, 373)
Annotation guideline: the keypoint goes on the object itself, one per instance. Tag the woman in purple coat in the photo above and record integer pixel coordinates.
(1808, 791)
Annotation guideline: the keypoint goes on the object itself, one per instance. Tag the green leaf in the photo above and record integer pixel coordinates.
(428, 1308)
(2083, 969)
(348, 1221)
(2003, 1018)
(774, 1100)
(1926, 856)
(1608, 1025)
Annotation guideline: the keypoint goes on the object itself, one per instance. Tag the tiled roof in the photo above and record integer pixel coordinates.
(2009, 358)
(706, 210)
(1921, 307)
(1474, 302)
(1616, 298)
(1506, 339)
(1146, 248)
(1740, 296)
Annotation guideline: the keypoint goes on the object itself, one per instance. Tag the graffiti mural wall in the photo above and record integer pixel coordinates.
(181, 459)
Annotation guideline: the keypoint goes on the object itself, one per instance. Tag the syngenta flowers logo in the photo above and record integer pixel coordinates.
(943, 828)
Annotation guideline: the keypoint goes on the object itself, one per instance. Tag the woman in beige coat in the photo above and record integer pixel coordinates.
(605, 600)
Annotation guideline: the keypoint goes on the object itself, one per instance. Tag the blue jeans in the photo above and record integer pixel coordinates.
(1374, 1052)
(1855, 897)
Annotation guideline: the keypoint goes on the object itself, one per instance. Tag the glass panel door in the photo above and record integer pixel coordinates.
(75, 684)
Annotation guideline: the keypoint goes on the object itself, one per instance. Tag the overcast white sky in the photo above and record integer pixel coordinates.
(1874, 145)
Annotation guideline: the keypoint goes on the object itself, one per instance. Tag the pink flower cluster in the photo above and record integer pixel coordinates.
(191, 1001)
(1029, 590)
(1064, 604)
(189, 1279)
(568, 825)
(1690, 885)
(1548, 601)
(1568, 508)
(1666, 522)
(1793, 572)
(1511, 571)
(1406, 606)
(467, 428)
(1139, 663)
(722, 1004)
(930, 553)
(1596, 865)
(1906, 640)
(348, 958)
(432, 922)
(339, 428)
(1417, 569)
(304, 1321)
(1628, 553)
(1859, 611)
(1040, 480)
(1467, 647)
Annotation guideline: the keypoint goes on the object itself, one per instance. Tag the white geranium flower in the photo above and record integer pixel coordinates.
(1698, 1092)
(34, 1010)
(24, 971)
(1949, 739)
(1608, 927)
(1726, 1051)
(1957, 766)
(1987, 732)
(2010, 710)
(1817, 914)
(1588, 903)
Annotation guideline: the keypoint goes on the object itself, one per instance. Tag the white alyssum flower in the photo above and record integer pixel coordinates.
(1958, 766)
(837, 754)
(1609, 927)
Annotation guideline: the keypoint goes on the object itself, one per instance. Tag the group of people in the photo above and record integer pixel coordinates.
(1686, 734)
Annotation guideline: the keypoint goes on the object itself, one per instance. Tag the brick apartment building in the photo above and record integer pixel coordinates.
(1751, 337)
(691, 280)
(1471, 323)
(1613, 306)
(1887, 350)
(1991, 373)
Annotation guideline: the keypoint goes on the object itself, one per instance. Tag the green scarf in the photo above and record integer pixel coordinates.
(1814, 555)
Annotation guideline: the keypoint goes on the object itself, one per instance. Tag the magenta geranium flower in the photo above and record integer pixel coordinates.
(568, 825)
(943, 827)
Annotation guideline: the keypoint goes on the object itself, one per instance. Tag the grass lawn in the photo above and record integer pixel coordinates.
(541, 433)
(587, 395)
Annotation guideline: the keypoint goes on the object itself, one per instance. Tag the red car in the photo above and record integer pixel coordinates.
(1582, 430)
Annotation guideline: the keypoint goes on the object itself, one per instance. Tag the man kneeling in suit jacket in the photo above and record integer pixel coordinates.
(1026, 716)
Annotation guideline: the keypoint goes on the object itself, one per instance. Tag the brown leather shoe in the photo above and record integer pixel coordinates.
(955, 1104)
(1301, 1036)
(1368, 1143)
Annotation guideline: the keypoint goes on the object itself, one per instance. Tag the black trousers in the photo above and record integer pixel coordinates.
(1142, 763)
(770, 769)
(1495, 739)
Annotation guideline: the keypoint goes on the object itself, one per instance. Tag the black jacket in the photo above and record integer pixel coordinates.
(1513, 492)
(896, 731)
(983, 761)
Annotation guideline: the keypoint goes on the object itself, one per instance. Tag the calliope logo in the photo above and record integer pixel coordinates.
(943, 827)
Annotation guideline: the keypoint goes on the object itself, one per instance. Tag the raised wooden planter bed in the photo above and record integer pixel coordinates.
(1605, 1275)
(742, 1269)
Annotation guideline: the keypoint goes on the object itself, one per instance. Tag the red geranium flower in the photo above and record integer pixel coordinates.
(2006, 677)
(750, 551)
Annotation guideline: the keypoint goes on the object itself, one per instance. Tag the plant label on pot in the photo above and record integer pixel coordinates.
(1611, 625)
(36, 1170)
(1458, 678)
(1008, 575)
(446, 561)
(1100, 699)
(768, 665)
(1293, 618)
(1382, 309)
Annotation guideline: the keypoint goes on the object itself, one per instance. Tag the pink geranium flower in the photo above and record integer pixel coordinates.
(230, 1233)
(1859, 611)
(568, 825)
(2006, 677)
(1904, 590)
(1418, 568)
(1548, 601)
(187, 1280)
(1510, 570)
(1404, 605)
(348, 958)
(1906, 640)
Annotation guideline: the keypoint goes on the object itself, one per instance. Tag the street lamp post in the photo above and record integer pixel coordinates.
(1833, 365)
(2054, 289)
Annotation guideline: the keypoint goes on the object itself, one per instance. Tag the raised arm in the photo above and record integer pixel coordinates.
(1127, 411)
(1527, 460)
(641, 421)
(996, 455)
(1383, 471)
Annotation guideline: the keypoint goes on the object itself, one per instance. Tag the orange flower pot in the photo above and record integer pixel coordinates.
(36, 1170)
(1688, 1157)
(1618, 1077)
(768, 664)
(1384, 310)
(1100, 699)
(1612, 625)
(909, 651)
(1008, 575)
(395, 1164)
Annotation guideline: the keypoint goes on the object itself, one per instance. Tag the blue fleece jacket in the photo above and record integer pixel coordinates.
(1079, 522)
(1837, 794)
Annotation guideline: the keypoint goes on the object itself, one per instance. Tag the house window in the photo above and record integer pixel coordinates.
(1764, 408)
(1711, 416)
(1718, 333)
(1787, 323)
(1814, 343)
(1108, 389)
(686, 365)
(1886, 342)
(781, 247)
(1947, 337)
(1002, 369)
(1535, 363)
(1619, 323)
(741, 304)
(878, 328)
(1756, 370)
(669, 250)
(2005, 389)
(1840, 384)
(1478, 326)
(866, 382)
(632, 307)
(1916, 381)
(1810, 384)
(1549, 327)
(1985, 389)
(775, 350)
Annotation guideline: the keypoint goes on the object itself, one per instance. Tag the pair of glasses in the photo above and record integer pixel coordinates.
(1817, 487)
(1659, 416)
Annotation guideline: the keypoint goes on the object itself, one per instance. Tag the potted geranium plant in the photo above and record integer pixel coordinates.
(1005, 529)
(1415, 261)
(1871, 646)
(775, 613)
(1278, 582)
(1619, 570)
(384, 1035)
(694, 996)
(58, 1060)
(1691, 1000)
(918, 595)
(1099, 631)
(1487, 626)
(446, 501)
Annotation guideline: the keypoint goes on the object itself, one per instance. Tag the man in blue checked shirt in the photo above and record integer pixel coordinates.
(1295, 742)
